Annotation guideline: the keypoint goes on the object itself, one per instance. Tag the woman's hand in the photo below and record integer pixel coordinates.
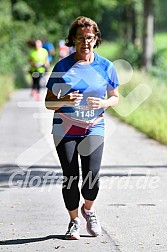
(75, 98)
(95, 103)
(54, 103)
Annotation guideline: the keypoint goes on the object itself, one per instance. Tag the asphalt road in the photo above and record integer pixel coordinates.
(131, 204)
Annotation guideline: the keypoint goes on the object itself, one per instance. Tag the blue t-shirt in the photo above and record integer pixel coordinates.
(91, 80)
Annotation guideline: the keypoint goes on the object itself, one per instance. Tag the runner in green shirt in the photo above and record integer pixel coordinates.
(38, 59)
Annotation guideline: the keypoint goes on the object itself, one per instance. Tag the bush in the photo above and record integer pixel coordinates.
(159, 68)
(132, 54)
(150, 116)
(6, 87)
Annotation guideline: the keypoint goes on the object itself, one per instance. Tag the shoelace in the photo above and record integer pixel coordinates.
(91, 218)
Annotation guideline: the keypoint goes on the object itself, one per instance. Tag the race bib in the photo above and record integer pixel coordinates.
(84, 114)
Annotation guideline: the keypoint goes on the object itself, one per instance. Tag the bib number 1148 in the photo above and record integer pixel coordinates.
(86, 113)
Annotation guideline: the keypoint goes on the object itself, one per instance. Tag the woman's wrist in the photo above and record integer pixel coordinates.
(111, 102)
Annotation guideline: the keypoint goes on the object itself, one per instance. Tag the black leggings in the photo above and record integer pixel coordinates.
(36, 82)
(90, 149)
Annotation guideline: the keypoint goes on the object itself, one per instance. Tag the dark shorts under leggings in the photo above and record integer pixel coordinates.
(90, 150)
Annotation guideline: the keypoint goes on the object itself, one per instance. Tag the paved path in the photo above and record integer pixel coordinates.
(131, 205)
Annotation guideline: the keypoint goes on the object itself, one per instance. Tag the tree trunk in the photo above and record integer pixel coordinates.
(133, 24)
(148, 34)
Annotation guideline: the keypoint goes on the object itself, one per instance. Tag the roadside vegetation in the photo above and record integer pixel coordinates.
(6, 87)
(10, 82)
(151, 116)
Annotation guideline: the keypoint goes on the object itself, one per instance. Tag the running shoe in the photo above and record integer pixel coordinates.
(93, 225)
(73, 230)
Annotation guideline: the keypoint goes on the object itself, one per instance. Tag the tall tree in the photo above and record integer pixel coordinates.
(148, 34)
(129, 22)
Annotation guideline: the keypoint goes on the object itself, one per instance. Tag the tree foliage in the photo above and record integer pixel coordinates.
(21, 20)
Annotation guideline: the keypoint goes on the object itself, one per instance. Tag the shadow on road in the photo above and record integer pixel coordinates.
(39, 239)
(31, 240)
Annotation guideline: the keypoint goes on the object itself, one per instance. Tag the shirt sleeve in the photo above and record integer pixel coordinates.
(113, 81)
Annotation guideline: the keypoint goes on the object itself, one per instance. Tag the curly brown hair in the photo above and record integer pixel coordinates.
(82, 22)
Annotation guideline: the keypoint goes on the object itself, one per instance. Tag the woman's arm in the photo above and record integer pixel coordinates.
(54, 103)
(113, 98)
(111, 101)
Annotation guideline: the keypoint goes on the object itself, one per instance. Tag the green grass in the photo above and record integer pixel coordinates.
(109, 50)
(10, 82)
(151, 116)
(6, 87)
(160, 40)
